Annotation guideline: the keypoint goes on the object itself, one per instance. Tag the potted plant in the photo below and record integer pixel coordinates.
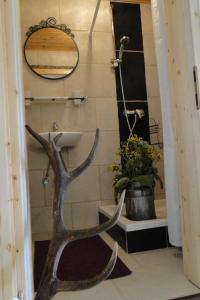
(137, 173)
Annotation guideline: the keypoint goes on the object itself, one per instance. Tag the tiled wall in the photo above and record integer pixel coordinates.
(95, 78)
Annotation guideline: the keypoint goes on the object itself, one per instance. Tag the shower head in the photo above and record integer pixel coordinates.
(124, 40)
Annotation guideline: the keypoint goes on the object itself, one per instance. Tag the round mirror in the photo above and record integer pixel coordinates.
(51, 53)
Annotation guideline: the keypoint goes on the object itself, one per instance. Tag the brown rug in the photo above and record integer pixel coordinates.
(80, 260)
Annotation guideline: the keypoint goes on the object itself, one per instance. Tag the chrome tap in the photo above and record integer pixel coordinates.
(55, 126)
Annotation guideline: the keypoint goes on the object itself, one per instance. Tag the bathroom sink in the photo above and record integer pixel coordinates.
(68, 138)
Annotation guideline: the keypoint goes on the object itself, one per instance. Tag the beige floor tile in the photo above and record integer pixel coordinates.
(104, 291)
(156, 275)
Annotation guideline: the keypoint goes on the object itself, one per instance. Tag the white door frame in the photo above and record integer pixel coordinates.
(186, 123)
(15, 233)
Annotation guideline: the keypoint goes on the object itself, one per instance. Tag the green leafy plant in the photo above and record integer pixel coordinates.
(138, 164)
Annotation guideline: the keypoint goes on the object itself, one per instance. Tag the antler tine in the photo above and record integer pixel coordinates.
(76, 172)
(63, 286)
(57, 137)
(85, 233)
(58, 154)
(39, 138)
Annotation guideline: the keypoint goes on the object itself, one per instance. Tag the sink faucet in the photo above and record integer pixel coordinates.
(55, 126)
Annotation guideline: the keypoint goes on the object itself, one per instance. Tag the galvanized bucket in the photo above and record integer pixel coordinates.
(140, 203)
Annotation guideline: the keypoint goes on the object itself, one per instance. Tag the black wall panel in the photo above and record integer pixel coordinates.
(133, 76)
(127, 21)
(142, 125)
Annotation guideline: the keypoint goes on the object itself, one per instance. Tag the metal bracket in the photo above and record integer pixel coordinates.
(196, 86)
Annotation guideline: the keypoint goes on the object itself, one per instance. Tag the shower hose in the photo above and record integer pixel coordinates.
(131, 128)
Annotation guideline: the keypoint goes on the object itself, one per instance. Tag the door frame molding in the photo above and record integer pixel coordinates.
(15, 247)
(15, 232)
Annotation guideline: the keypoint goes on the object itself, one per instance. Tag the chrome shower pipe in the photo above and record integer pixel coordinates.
(94, 17)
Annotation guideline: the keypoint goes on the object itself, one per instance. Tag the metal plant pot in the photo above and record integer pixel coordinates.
(140, 203)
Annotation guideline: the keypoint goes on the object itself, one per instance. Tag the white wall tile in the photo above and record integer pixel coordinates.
(34, 11)
(85, 215)
(154, 106)
(40, 86)
(37, 159)
(33, 117)
(85, 188)
(79, 14)
(93, 80)
(108, 145)
(69, 117)
(42, 220)
(78, 154)
(146, 17)
(90, 49)
(36, 188)
(149, 49)
(107, 114)
(152, 82)
(104, 18)
(106, 180)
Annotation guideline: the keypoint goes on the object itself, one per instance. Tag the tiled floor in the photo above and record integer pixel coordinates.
(157, 275)
(196, 297)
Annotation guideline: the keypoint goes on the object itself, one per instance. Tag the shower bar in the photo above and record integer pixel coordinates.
(53, 99)
(94, 17)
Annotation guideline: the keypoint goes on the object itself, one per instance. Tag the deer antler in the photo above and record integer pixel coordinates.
(49, 283)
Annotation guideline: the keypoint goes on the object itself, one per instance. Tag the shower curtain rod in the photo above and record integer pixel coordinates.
(94, 17)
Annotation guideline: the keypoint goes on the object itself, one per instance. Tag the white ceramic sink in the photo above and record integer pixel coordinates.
(68, 138)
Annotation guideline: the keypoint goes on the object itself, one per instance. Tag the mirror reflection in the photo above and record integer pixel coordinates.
(51, 53)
